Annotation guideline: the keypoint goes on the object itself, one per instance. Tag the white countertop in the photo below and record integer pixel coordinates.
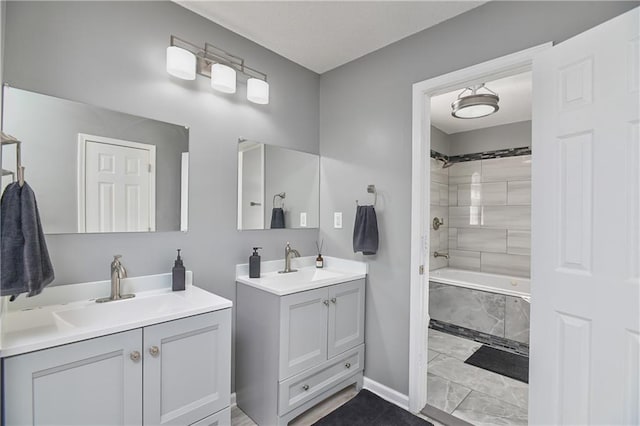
(66, 314)
(308, 277)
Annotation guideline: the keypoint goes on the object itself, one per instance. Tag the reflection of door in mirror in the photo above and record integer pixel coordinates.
(251, 187)
(116, 180)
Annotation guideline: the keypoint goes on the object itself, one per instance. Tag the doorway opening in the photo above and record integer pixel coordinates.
(474, 220)
(479, 268)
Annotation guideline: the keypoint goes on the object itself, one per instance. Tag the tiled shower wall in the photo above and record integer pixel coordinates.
(439, 240)
(489, 217)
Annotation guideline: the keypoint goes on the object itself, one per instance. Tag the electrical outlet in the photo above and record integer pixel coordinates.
(337, 220)
(303, 219)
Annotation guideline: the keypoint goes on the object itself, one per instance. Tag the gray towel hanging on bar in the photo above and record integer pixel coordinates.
(26, 266)
(365, 231)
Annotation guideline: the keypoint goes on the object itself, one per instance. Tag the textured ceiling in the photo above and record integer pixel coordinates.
(322, 35)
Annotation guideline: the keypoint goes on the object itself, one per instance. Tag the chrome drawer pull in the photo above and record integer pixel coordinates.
(326, 302)
(333, 300)
(305, 387)
(135, 356)
(348, 365)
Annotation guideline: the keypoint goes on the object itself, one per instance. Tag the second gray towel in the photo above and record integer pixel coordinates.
(365, 231)
(26, 267)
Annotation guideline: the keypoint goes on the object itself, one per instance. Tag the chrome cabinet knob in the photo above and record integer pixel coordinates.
(135, 356)
(333, 300)
(154, 351)
(305, 387)
(326, 302)
(348, 365)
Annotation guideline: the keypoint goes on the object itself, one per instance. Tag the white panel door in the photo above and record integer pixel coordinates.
(303, 331)
(586, 230)
(94, 382)
(187, 368)
(346, 317)
(117, 188)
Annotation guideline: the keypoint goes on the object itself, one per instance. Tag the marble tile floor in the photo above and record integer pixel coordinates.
(470, 393)
(239, 418)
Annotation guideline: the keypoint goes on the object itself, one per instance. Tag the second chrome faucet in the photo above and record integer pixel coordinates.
(288, 254)
(117, 273)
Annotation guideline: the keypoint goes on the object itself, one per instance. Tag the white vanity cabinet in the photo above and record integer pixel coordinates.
(294, 350)
(176, 372)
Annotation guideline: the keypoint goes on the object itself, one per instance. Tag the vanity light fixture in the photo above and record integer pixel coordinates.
(474, 104)
(222, 67)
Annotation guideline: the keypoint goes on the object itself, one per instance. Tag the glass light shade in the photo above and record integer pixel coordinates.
(181, 63)
(223, 78)
(258, 91)
(475, 106)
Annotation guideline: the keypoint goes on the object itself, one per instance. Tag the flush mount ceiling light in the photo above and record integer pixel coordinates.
(474, 104)
(185, 60)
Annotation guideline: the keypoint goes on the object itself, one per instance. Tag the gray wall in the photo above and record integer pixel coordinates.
(365, 138)
(513, 135)
(52, 153)
(112, 54)
(440, 141)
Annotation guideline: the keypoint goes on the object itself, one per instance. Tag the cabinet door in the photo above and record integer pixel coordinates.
(303, 331)
(94, 382)
(346, 316)
(187, 368)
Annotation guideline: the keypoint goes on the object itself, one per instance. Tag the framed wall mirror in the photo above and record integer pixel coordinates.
(277, 187)
(94, 170)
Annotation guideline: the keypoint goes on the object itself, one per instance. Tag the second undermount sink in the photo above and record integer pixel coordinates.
(126, 310)
(304, 274)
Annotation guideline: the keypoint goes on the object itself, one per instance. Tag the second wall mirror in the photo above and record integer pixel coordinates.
(277, 187)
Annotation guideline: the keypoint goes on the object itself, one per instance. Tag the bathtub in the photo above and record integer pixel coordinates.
(486, 307)
(493, 283)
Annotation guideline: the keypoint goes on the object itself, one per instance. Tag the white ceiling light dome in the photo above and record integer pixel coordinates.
(181, 63)
(223, 78)
(258, 91)
(474, 104)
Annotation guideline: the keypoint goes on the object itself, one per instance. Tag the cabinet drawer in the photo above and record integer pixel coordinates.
(299, 389)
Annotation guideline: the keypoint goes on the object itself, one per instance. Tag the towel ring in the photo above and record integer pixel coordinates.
(282, 196)
(371, 189)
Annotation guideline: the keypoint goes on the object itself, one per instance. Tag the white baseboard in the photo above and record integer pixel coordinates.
(387, 393)
(233, 399)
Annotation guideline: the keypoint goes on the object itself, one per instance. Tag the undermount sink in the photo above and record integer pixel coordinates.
(125, 310)
(305, 274)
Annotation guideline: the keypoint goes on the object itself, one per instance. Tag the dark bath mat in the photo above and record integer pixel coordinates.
(368, 409)
(501, 362)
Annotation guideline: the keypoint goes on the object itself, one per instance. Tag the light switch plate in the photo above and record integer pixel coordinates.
(303, 219)
(337, 220)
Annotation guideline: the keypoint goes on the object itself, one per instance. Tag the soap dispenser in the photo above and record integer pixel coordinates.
(254, 263)
(178, 274)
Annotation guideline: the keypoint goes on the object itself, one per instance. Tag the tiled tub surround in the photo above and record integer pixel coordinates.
(439, 239)
(490, 215)
(503, 315)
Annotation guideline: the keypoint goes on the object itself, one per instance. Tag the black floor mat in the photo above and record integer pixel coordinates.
(501, 362)
(368, 409)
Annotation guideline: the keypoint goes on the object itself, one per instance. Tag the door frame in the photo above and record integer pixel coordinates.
(420, 198)
(83, 138)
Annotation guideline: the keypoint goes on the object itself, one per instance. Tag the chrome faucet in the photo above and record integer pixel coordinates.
(288, 254)
(117, 273)
(445, 255)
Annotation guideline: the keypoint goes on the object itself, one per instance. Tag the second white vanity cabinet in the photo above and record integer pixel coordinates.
(176, 372)
(294, 350)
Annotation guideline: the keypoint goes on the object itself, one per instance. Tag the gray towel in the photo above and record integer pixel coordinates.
(365, 231)
(277, 218)
(26, 267)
